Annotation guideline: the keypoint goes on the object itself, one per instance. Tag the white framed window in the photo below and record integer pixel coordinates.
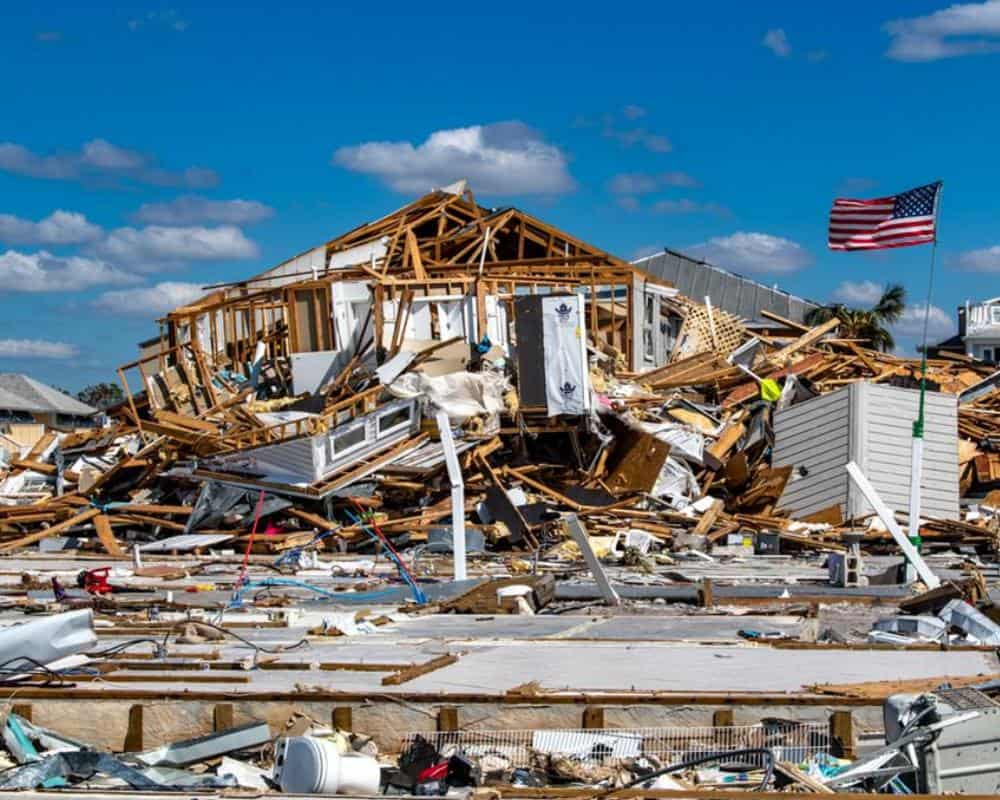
(995, 315)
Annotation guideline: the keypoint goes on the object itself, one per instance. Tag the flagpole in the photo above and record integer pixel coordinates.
(917, 443)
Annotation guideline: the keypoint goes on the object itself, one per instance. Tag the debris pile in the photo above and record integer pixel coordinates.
(461, 410)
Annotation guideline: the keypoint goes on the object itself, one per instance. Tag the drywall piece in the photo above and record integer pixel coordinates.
(870, 424)
(48, 639)
(579, 534)
(930, 580)
(311, 371)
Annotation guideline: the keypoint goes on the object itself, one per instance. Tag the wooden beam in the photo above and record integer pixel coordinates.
(133, 735)
(805, 340)
(222, 717)
(343, 718)
(593, 717)
(416, 670)
(447, 719)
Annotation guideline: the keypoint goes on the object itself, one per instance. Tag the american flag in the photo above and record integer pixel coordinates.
(900, 220)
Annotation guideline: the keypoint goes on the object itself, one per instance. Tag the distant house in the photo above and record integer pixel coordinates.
(741, 296)
(978, 332)
(24, 400)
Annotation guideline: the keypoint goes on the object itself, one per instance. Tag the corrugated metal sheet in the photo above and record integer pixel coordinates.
(734, 293)
(872, 425)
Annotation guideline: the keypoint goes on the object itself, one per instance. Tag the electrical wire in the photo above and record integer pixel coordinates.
(257, 647)
(693, 762)
(21, 675)
(391, 552)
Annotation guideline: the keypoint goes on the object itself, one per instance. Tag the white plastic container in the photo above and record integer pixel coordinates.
(310, 765)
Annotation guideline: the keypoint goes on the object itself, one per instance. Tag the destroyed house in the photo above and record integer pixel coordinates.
(442, 279)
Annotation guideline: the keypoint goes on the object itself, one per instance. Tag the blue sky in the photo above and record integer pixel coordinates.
(147, 150)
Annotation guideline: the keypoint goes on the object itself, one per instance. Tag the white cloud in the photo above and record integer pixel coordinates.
(36, 348)
(817, 56)
(959, 30)
(48, 36)
(145, 301)
(753, 252)
(190, 209)
(986, 259)
(144, 249)
(60, 227)
(628, 202)
(100, 160)
(776, 41)
(633, 112)
(687, 206)
(642, 183)
(911, 324)
(858, 293)
(44, 272)
(502, 158)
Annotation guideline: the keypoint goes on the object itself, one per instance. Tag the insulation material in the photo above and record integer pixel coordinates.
(567, 380)
(460, 395)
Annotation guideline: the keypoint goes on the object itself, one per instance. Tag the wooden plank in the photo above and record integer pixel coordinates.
(133, 735)
(54, 530)
(805, 340)
(222, 717)
(842, 734)
(593, 717)
(107, 536)
(343, 718)
(447, 719)
(708, 518)
(415, 671)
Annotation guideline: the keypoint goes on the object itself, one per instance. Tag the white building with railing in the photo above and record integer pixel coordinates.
(979, 328)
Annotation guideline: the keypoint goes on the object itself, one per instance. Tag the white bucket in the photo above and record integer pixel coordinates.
(309, 765)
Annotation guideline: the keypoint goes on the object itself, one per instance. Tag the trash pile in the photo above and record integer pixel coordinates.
(451, 367)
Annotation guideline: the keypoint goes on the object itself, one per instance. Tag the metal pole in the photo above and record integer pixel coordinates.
(917, 443)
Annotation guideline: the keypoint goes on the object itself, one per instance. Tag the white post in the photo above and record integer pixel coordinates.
(916, 476)
(885, 514)
(457, 495)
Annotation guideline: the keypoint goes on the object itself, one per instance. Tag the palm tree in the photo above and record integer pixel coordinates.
(870, 325)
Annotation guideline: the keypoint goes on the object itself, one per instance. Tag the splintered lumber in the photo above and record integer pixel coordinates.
(102, 525)
(806, 339)
(31, 538)
(708, 518)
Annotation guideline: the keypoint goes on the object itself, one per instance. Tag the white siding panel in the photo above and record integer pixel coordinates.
(873, 425)
(886, 442)
(815, 436)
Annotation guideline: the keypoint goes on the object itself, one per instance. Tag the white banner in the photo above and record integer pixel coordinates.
(567, 379)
